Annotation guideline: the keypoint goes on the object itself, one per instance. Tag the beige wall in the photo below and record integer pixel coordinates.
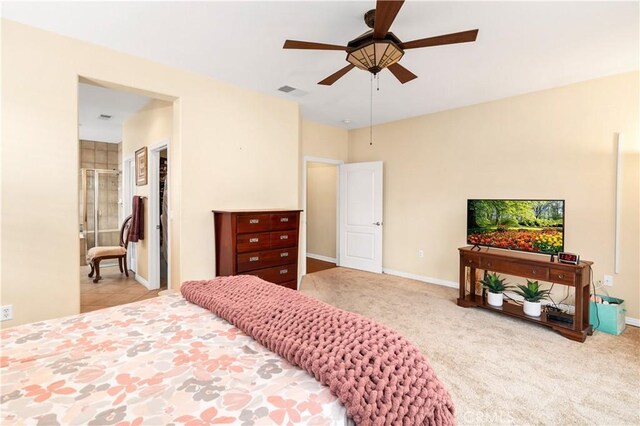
(554, 144)
(322, 180)
(320, 140)
(231, 148)
(149, 126)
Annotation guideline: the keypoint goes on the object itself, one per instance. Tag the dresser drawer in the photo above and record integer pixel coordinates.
(284, 239)
(278, 274)
(526, 271)
(281, 221)
(253, 223)
(252, 242)
(266, 259)
(471, 261)
(561, 277)
(491, 264)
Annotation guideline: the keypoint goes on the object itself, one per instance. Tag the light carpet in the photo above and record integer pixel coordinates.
(499, 370)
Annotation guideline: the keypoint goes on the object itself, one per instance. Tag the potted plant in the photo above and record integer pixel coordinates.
(495, 286)
(532, 294)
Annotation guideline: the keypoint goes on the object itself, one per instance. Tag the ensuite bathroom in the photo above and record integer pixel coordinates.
(113, 198)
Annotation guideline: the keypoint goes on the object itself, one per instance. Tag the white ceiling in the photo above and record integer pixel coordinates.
(94, 100)
(521, 47)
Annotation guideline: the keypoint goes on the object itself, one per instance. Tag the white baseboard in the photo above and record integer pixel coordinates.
(142, 281)
(430, 280)
(632, 321)
(321, 257)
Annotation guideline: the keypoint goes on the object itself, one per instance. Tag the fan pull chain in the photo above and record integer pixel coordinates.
(371, 112)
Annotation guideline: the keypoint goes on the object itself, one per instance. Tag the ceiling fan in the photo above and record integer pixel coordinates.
(378, 48)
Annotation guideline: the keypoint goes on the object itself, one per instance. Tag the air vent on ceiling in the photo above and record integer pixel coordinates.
(104, 117)
(293, 91)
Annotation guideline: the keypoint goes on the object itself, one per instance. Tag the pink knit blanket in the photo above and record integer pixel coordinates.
(377, 374)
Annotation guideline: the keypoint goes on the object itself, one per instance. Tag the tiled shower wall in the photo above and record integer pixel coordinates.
(101, 155)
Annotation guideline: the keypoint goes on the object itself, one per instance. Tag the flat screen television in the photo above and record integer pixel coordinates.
(526, 225)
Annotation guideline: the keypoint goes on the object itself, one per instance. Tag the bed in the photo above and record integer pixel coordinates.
(159, 361)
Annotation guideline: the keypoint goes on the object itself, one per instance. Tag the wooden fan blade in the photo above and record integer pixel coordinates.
(386, 11)
(462, 37)
(295, 44)
(336, 75)
(402, 74)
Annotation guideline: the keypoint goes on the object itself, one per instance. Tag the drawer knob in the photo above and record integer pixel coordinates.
(488, 263)
(284, 219)
(469, 261)
(534, 272)
(560, 276)
(283, 271)
(284, 237)
(286, 254)
(254, 258)
(254, 240)
(254, 220)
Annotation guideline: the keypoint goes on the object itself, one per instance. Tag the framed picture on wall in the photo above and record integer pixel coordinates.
(141, 166)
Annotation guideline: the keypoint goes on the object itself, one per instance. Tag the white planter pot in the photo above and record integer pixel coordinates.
(494, 299)
(531, 308)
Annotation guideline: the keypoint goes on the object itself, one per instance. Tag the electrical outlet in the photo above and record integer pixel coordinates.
(608, 280)
(7, 312)
(420, 253)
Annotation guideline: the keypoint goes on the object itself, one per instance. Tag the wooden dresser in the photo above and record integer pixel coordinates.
(258, 242)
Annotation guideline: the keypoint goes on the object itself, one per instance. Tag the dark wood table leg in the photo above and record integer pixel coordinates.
(472, 281)
(462, 281)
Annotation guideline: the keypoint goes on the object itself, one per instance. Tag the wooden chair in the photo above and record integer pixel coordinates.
(98, 254)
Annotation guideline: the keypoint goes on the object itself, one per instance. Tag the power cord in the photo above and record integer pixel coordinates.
(555, 305)
(517, 302)
(567, 296)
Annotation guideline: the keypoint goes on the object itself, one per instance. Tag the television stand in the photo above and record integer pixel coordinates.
(530, 266)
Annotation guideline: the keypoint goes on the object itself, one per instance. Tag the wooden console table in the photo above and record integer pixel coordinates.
(532, 266)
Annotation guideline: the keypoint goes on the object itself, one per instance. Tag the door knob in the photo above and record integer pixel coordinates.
(377, 223)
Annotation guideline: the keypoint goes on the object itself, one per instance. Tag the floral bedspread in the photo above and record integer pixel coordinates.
(163, 361)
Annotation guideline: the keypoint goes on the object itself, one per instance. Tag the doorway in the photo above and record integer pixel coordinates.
(356, 205)
(104, 183)
(159, 214)
(321, 210)
(320, 215)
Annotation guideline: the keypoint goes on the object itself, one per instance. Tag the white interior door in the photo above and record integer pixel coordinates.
(361, 216)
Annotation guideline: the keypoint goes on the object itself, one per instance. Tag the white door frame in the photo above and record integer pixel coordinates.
(128, 191)
(154, 216)
(311, 159)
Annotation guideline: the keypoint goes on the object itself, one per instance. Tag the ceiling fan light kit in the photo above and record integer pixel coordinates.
(375, 56)
(378, 49)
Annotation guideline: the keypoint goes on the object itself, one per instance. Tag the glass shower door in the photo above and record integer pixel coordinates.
(99, 208)
(108, 232)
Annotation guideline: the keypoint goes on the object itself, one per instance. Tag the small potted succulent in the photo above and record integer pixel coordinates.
(532, 294)
(495, 286)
